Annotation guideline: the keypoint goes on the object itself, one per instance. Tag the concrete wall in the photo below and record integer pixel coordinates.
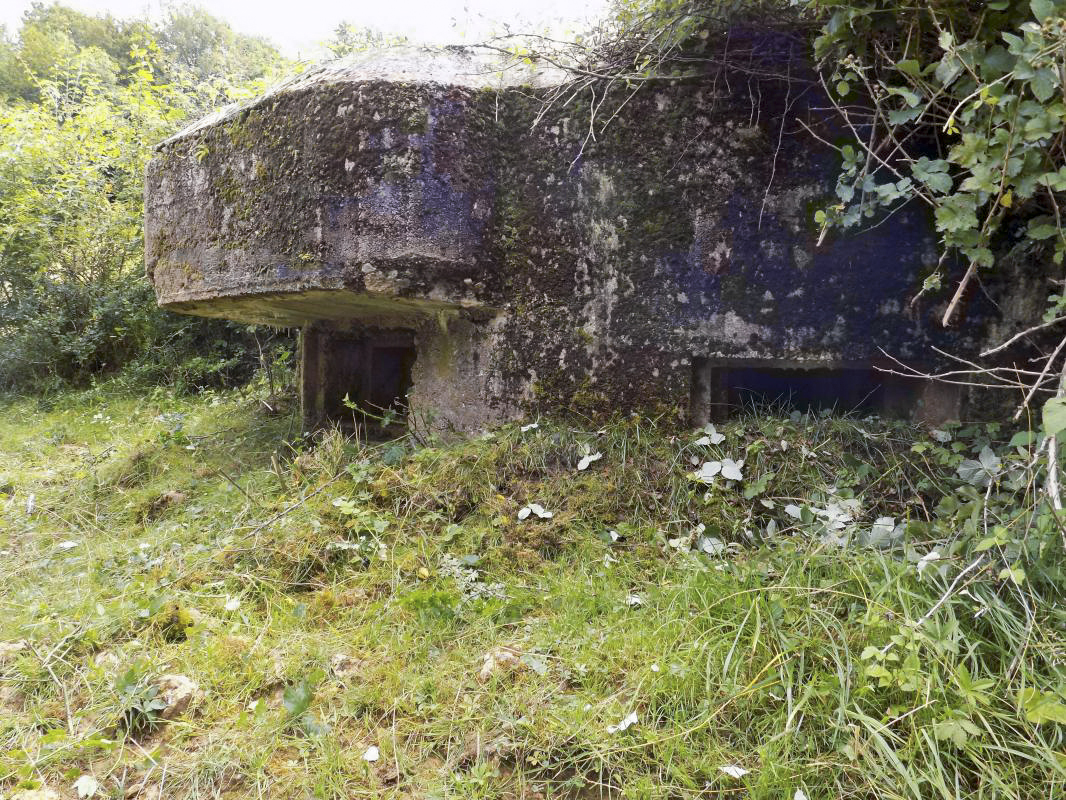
(538, 267)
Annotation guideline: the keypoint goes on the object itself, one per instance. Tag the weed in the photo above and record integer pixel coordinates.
(841, 607)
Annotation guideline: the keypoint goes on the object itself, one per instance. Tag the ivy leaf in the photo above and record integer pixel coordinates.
(86, 786)
(910, 98)
(1042, 9)
(733, 771)
(731, 469)
(933, 173)
(910, 66)
(587, 459)
(1041, 228)
(1014, 574)
(901, 116)
(1043, 83)
(957, 212)
(948, 70)
(1054, 416)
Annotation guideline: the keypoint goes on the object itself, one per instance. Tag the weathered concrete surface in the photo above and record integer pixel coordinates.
(534, 267)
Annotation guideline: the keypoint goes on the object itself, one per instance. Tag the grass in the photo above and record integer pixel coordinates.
(328, 596)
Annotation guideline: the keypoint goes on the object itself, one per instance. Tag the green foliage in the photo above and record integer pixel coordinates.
(958, 105)
(86, 100)
(798, 649)
(137, 700)
(348, 39)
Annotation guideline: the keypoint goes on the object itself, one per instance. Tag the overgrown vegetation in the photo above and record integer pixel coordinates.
(790, 606)
(198, 599)
(957, 106)
(82, 102)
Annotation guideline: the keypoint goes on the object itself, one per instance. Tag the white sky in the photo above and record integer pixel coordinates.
(299, 27)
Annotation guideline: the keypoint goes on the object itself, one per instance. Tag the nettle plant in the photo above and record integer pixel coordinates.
(958, 105)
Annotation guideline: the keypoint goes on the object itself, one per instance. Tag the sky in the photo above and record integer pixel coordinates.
(299, 27)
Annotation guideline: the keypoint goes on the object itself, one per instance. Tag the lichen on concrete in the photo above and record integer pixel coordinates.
(401, 189)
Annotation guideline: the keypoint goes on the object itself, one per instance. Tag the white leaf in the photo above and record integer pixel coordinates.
(538, 509)
(86, 786)
(693, 461)
(634, 601)
(524, 512)
(733, 771)
(731, 469)
(989, 460)
(799, 795)
(232, 603)
(711, 546)
(586, 460)
(31, 503)
(927, 559)
(68, 545)
(372, 754)
(654, 667)
(713, 435)
(941, 436)
(793, 511)
(530, 427)
(703, 441)
(708, 471)
(614, 535)
(629, 721)
(884, 533)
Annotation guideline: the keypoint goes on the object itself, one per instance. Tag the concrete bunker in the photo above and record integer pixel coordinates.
(356, 376)
(445, 257)
(723, 388)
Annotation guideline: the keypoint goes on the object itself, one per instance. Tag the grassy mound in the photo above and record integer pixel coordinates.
(788, 607)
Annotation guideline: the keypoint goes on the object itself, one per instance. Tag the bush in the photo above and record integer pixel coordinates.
(82, 103)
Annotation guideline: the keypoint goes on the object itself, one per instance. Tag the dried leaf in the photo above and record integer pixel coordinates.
(583, 464)
(629, 721)
(733, 771)
(707, 472)
(731, 469)
(86, 786)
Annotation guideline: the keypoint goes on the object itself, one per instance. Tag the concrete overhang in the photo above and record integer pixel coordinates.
(360, 189)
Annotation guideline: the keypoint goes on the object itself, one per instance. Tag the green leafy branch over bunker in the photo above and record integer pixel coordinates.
(436, 245)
